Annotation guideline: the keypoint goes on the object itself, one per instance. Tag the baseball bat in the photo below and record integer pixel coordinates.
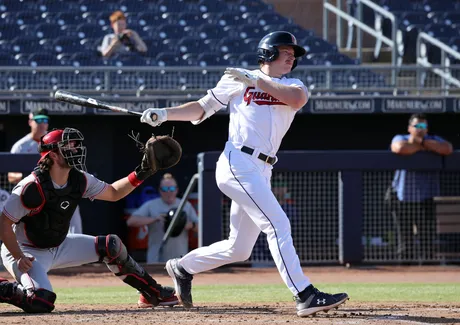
(81, 100)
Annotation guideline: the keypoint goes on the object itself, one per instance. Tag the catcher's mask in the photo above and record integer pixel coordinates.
(178, 225)
(69, 142)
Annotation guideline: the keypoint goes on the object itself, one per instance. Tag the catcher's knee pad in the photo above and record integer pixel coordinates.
(39, 301)
(113, 252)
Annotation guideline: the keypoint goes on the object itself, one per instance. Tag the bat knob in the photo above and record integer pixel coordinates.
(154, 116)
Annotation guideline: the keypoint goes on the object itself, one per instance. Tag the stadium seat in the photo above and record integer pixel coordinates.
(97, 6)
(21, 17)
(253, 6)
(89, 31)
(177, 6)
(436, 6)
(8, 31)
(150, 19)
(67, 44)
(223, 19)
(316, 45)
(250, 44)
(166, 31)
(57, 6)
(230, 45)
(251, 31)
(42, 59)
(270, 18)
(333, 58)
(127, 59)
(207, 59)
(294, 29)
(81, 59)
(168, 59)
(208, 31)
(448, 18)
(192, 45)
(50, 31)
(7, 60)
(191, 59)
(213, 6)
(247, 59)
(25, 45)
(231, 59)
(13, 6)
(67, 18)
(189, 19)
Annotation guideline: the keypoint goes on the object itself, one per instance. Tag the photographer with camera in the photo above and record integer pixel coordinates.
(123, 40)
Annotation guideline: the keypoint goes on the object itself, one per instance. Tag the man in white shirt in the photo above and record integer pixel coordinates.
(262, 106)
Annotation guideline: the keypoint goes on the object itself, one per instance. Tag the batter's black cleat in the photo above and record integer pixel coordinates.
(182, 282)
(311, 300)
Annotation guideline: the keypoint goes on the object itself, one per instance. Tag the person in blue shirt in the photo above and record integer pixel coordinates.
(413, 191)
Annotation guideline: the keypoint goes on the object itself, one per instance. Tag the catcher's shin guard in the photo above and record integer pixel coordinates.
(113, 252)
(39, 301)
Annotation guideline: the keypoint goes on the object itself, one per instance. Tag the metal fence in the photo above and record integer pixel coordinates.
(140, 81)
(341, 211)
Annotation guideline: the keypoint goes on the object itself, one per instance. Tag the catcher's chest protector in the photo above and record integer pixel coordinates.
(48, 227)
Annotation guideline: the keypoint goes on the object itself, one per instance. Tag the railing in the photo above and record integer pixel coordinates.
(444, 72)
(362, 27)
(184, 81)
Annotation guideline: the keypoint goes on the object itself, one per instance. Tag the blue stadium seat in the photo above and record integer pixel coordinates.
(81, 59)
(440, 31)
(208, 31)
(449, 18)
(247, 59)
(168, 59)
(230, 45)
(67, 44)
(190, 19)
(223, 19)
(127, 59)
(305, 61)
(190, 59)
(334, 58)
(192, 45)
(6, 59)
(22, 59)
(154, 45)
(64, 59)
(213, 6)
(22, 17)
(399, 5)
(56, 6)
(98, 18)
(435, 6)
(25, 45)
(14, 6)
(317, 45)
(8, 31)
(270, 18)
(294, 29)
(89, 31)
(42, 59)
(250, 44)
(250, 31)
(170, 31)
(253, 6)
(207, 59)
(97, 6)
(177, 6)
(50, 31)
(231, 59)
(152, 19)
(67, 18)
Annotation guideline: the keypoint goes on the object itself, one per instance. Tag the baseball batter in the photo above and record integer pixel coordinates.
(39, 123)
(262, 106)
(35, 220)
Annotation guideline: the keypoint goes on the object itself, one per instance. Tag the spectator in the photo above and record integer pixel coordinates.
(39, 123)
(154, 214)
(123, 40)
(413, 191)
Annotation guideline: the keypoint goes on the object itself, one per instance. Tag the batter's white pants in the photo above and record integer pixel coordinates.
(246, 180)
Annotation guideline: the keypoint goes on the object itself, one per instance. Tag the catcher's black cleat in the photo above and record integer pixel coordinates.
(311, 300)
(182, 282)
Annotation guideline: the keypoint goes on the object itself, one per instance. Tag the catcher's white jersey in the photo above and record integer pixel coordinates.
(258, 121)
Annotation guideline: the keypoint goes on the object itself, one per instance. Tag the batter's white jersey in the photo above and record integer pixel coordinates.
(258, 121)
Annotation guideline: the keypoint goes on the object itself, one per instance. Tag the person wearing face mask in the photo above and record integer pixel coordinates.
(412, 192)
(39, 124)
(122, 40)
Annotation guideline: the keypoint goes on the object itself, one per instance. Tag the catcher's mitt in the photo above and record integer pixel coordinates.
(159, 152)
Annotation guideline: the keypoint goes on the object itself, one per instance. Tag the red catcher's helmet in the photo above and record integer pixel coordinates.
(69, 142)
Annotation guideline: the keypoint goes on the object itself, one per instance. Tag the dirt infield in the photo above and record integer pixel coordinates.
(275, 313)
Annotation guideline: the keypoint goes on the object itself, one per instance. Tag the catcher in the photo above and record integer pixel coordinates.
(35, 221)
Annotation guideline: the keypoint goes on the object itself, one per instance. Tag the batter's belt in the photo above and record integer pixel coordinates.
(261, 156)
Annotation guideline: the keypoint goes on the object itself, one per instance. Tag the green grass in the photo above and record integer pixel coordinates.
(373, 292)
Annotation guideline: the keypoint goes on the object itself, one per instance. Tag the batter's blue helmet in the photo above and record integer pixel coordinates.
(267, 50)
